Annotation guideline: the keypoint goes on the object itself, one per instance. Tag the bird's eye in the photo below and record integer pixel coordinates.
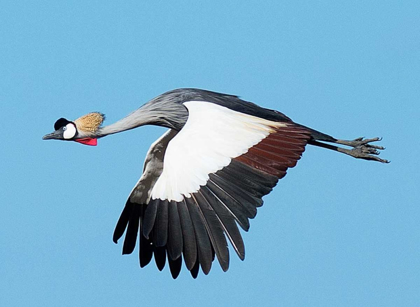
(64, 128)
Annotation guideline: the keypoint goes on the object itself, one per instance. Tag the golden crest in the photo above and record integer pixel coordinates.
(90, 122)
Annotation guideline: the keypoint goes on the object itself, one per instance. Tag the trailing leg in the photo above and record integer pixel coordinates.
(360, 147)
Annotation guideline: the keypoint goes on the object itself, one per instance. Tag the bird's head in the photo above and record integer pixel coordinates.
(82, 130)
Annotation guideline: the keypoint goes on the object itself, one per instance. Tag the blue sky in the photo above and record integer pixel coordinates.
(336, 231)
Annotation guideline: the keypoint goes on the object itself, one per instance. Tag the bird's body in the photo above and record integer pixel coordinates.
(206, 174)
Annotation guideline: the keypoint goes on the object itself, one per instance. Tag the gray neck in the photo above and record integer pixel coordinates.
(160, 113)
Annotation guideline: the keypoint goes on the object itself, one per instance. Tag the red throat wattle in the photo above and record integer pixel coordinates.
(88, 141)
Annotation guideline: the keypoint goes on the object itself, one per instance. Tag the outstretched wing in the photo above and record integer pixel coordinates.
(212, 177)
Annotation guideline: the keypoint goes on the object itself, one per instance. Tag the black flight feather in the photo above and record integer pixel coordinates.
(175, 266)
(146, 250)
(248, 202)
(205, 256)
(188, 234)
(227, 220)
(150, 217)
(175, 242)
(132, 230)
(160, 257)
(122, 221)
(161, 224)
(194, 270)
(237, 210)
(146, 246)
(214, 229)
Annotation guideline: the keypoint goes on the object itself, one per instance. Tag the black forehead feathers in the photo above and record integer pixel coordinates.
(61, 123)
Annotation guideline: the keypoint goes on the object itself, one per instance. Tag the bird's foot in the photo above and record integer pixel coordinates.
(362, 149)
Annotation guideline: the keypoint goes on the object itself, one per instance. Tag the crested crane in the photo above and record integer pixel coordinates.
(206, 174)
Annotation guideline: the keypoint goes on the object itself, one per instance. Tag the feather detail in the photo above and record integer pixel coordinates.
(90, 122)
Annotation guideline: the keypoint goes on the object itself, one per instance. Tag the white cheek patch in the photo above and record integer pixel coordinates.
(69, 131)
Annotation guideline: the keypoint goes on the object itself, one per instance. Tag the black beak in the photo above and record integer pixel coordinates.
(56, 135)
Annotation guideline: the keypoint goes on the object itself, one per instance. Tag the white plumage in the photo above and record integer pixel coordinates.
(197, 151)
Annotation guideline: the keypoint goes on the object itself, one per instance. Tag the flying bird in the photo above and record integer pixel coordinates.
(206, 175)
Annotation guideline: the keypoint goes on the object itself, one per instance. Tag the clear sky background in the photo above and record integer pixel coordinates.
(336, 231)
